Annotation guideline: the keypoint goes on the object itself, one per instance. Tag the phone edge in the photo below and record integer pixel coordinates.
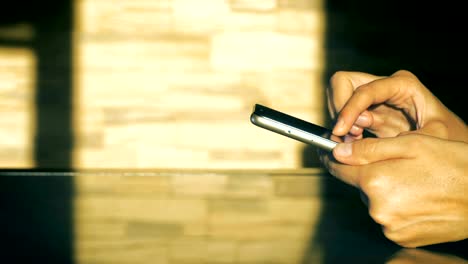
(316, 140)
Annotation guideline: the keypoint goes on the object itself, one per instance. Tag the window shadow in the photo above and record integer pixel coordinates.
(37, 214)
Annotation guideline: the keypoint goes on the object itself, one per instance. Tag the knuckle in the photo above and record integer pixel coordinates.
(372, 148)
(373, 181)
(364, 92)
(403, 237)
(412, 140)
(407, 79)
(380, 216)
(404, 72)
(367, 149)
(405, 76)
(436, 128)
(337, 77)
(396, 237)
(415, 141)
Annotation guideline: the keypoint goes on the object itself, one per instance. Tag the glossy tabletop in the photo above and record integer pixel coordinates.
(194, 216)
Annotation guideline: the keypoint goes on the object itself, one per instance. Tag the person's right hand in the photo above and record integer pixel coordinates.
(389, 106)
(414, 185)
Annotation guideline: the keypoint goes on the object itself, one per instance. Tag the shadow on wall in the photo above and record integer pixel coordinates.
(381, 37)
(36, 223)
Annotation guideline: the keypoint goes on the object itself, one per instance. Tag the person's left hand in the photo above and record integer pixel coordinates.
(388, 106)
(415, 185)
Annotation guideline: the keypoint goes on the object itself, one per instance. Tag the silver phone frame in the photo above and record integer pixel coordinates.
(293, 132)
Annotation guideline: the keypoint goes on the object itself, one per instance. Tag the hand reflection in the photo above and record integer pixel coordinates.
(410, 256)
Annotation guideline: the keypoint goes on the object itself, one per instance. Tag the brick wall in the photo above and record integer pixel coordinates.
(168, 83)
(17, 82)
(171, 83)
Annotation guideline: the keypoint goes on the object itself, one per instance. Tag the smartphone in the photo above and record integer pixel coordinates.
(292, 127)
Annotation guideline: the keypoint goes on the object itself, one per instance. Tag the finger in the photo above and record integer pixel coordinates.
(365, 119)
(343, 84)
(370, 150)
(356, 131)
(393, 91)
(331, 107)
(351, 138)
(345, 173)
(364, 97)
(336, 139)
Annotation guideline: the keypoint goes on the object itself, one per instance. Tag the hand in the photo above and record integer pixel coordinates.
(389, 106)
(415, 185)
(419, 256)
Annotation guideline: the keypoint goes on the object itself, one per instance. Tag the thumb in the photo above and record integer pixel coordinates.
(370, 150)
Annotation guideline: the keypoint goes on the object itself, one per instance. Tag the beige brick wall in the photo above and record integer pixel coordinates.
(171, 83)
(17, 82)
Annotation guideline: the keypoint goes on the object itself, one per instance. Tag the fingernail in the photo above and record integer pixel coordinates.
(363, 120)
(348, 138)
(339, 126)
(355, 129)
(344, 149)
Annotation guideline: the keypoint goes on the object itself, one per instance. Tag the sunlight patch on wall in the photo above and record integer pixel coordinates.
(171, 83)
(17, 109)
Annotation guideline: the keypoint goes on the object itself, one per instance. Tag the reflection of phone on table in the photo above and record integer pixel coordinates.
(292, 127)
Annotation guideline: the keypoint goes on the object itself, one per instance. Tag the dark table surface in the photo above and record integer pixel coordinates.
(194, 216)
